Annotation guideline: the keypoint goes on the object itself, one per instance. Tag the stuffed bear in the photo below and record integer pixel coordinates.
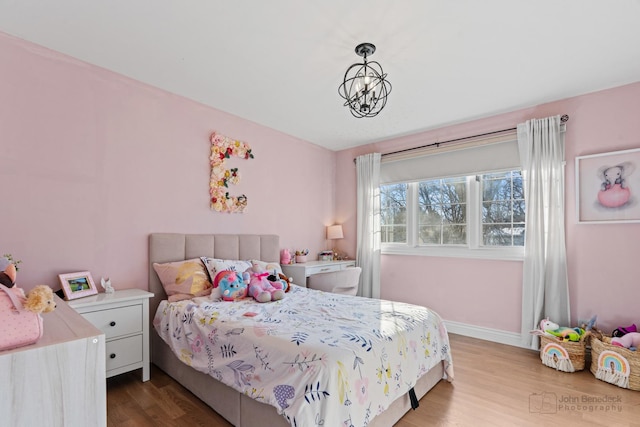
(259, 286)
(233, 285)
(40, 300)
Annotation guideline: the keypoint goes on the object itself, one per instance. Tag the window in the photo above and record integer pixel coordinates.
(503, 209)
(470, 216)
(442, 212)
(393, 213)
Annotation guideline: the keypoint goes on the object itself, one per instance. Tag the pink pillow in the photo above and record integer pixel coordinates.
(183, 279)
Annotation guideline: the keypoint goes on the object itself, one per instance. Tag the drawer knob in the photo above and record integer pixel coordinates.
(112, 355)
(113, 323)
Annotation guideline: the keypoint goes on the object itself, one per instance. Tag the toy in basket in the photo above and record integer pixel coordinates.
(616, 364)
(561, 348)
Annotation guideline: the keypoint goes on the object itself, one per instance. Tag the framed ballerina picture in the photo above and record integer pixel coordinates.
(608, 187)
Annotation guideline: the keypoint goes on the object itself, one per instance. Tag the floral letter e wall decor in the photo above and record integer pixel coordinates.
(223, 148)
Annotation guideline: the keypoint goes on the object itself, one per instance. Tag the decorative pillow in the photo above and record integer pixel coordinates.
(209, 267)
(215, 265)
(268, 266)
(183, 279)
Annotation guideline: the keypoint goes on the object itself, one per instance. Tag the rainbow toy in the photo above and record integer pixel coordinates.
(613, 368)
(555, 356)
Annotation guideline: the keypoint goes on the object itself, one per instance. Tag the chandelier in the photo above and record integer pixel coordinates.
(365, 87)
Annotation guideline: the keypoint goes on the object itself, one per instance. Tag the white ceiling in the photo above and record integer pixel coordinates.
(279, 62)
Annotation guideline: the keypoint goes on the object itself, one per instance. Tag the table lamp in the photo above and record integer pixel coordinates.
(334, 232)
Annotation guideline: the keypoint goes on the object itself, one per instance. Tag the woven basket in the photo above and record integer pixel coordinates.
(566, 356)
(615, 365)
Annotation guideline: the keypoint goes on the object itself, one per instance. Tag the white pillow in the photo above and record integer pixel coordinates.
(215, 265)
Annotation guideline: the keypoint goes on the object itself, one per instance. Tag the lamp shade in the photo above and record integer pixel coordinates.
(334, 232)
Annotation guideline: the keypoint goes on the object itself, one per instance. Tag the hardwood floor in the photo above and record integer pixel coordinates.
(495, 385)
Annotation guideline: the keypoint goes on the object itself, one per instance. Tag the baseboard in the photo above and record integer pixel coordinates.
(487, 334)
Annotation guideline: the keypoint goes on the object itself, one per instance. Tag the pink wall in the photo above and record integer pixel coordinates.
(92, 162)
(603, 258)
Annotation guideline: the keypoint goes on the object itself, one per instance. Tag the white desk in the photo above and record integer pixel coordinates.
(300, 272)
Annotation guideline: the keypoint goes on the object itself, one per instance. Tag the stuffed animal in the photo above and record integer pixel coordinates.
(590, 325)
(630, 340)
(233, 285)
(285, 257)
(8, 276)
(259, 286)
(590, 329)
(621, 331)
(40, 300)
(549, 328)
(279, 277)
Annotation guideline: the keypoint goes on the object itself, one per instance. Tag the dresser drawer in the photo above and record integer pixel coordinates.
(116, 322)
(317, 269)
(123, 352)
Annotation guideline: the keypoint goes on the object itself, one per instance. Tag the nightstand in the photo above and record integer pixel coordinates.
(300, 272)
(123, 316)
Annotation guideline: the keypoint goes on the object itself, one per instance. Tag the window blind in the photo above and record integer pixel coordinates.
(468, 158)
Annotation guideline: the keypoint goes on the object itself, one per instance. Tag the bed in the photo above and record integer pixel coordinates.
(246, 397)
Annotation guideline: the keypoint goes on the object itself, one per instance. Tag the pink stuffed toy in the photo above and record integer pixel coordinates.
(260, 288)
(285, 256)
(632, 339)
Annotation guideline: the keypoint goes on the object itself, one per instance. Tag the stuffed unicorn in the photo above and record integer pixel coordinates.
(552, 329)
(260, 288)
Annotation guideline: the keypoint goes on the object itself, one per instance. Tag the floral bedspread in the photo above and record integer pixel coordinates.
(319, 358)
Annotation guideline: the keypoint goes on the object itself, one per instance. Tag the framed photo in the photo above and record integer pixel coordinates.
(608, 187)
(77, 285)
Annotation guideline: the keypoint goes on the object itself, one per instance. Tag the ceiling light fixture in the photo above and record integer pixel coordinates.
(365, 86)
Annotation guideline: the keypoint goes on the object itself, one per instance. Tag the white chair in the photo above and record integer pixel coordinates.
(339, 282)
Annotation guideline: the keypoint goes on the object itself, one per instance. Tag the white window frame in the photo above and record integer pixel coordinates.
(474, 247)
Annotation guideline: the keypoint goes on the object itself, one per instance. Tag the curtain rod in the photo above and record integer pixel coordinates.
(563, 119)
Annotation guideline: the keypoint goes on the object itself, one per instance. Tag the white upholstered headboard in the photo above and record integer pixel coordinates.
(167, 247)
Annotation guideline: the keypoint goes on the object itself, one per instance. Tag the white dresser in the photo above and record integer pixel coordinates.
(58, 381)
(123, 316)
(300, 272)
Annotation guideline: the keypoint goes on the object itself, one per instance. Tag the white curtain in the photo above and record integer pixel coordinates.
(545, 290)
(368, 230)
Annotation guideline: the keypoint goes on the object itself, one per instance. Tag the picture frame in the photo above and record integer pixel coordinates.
(608, 187)
(77, 285)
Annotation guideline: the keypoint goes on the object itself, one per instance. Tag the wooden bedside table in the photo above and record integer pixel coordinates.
(123, 316)
(300, 272)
